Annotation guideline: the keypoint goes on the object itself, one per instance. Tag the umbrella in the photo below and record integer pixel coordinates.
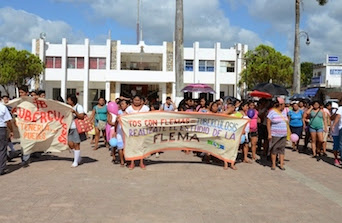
(273, 89)
(202, 88)
(260, 94)
(299, 97)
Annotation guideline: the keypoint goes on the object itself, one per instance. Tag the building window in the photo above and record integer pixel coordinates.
(97, 63)
(227, 66)
(189, 65)
(75, 62)
(56, 92)
(206, 66)
(53, 62)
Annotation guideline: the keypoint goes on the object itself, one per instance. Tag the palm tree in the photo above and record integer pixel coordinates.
(296, 58)
(179, 53)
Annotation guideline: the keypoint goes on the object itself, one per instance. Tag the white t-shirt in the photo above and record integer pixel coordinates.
(130, 109)
(4, 115)
(338, 126)
(79, 109)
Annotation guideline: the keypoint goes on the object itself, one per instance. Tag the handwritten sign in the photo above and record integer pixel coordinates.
(43, 124)
(147, 133)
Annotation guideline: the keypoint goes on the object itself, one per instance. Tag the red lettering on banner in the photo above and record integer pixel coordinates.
(43, 117)
(134, 123)
(39, 103)
(50, 116)
(27, 116)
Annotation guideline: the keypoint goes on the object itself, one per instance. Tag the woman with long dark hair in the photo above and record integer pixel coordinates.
(317, 125)
(135, 107)
(74, 139)
(99, 117)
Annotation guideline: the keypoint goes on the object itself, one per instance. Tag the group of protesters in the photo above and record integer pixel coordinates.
(272, 122)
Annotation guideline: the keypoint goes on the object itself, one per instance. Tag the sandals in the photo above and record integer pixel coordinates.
(233, 167)
(247, 161)
(131, 166)
(142, 166)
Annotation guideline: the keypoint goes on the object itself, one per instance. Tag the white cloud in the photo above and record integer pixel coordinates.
(321, 22)
(204, 21)
(18, 28)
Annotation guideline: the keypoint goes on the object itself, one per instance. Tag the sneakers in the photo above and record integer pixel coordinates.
(337, 162)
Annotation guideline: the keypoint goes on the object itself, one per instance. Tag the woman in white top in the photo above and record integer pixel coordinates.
(137, 106)
(74, 139)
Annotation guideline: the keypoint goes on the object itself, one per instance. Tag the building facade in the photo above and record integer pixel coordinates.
(114, 69)
(328, 74)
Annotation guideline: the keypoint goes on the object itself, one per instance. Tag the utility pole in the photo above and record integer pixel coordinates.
(296, 58)
(179, 49)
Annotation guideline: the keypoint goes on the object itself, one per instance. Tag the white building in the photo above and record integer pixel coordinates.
(328, 74)
(115, 69)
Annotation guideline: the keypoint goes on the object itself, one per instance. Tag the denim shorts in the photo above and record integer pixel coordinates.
(315, 130)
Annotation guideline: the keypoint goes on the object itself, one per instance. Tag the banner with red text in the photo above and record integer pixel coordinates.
(43, 124)
(147, 133)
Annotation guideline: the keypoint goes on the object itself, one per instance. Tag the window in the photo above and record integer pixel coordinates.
(53, 62)
(227, 66)
(189, 65)
(97, 63)
(75, 62)
(206, 66)
(57, 92)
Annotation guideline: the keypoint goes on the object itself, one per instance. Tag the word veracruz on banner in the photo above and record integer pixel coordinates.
(147, 133)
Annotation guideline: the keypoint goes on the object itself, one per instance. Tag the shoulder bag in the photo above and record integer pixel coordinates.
(83, 125)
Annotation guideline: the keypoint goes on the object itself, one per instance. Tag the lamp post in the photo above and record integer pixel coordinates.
(296, 62)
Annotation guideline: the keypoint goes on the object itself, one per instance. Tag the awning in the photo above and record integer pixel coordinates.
(311, 92)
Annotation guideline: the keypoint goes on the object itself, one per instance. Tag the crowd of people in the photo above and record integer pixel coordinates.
(272, 122)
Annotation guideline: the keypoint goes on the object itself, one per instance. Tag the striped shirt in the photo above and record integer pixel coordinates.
(278, 123)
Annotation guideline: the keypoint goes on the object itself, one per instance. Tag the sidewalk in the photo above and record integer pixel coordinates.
(174, 188)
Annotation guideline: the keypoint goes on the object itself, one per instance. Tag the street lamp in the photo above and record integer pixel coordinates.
(296, 62)
(303, 33)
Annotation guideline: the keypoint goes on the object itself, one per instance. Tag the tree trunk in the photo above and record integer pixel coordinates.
(296, 58)
(179, 48)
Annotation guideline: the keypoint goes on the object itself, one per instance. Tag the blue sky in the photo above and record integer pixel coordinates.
(250, 22)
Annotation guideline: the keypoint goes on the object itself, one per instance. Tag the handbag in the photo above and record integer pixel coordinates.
(83, 125)
(101, 125)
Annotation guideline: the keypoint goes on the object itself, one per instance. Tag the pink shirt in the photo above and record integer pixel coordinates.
(254, 122)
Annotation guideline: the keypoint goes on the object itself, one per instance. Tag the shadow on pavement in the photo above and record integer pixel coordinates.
(45, 157)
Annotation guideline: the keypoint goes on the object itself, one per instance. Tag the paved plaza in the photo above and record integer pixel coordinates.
(174, 188)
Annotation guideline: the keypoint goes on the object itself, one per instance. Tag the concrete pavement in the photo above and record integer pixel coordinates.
(175, 188)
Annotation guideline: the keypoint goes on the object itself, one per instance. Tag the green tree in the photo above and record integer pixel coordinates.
(17, 66)
(306, 70)
(265, 63)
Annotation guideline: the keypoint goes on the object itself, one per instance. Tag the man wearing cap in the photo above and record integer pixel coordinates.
(5, 121)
